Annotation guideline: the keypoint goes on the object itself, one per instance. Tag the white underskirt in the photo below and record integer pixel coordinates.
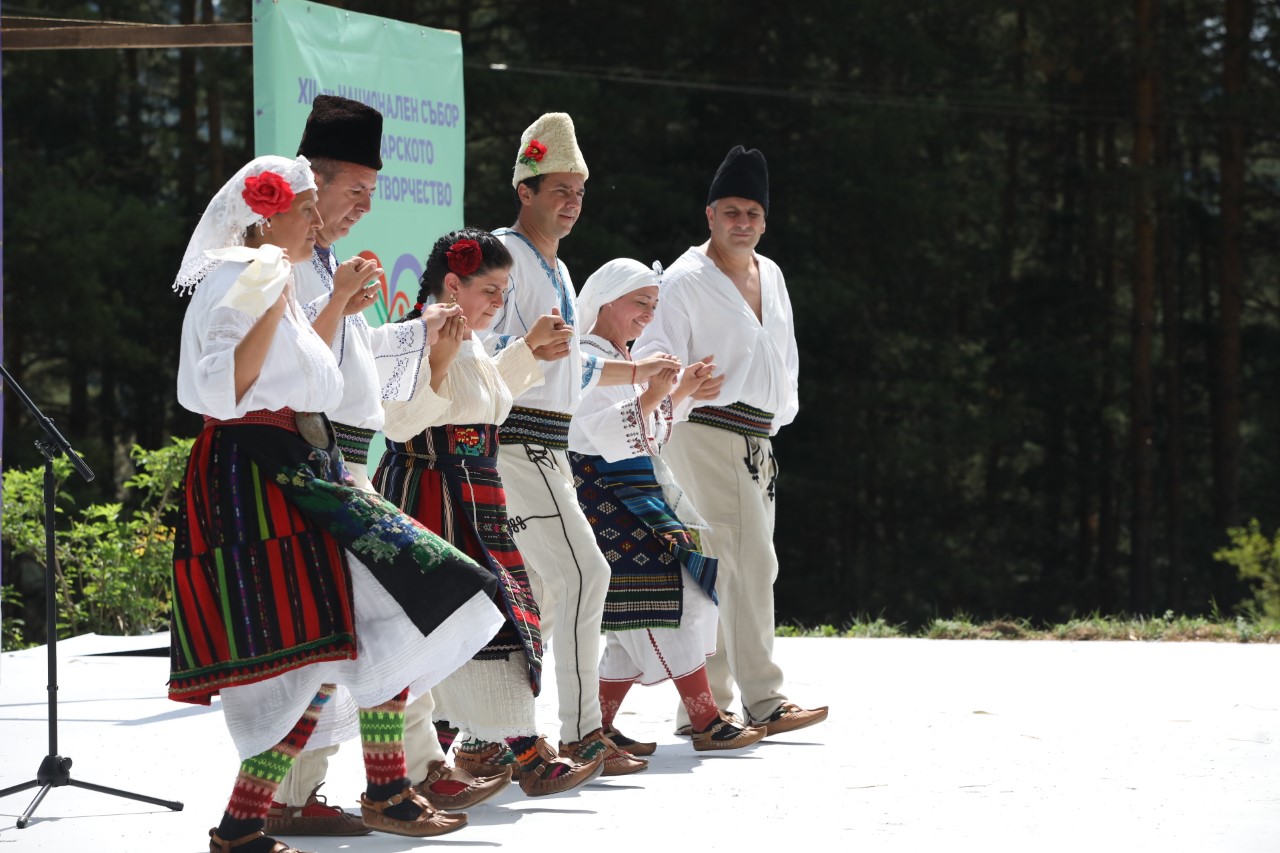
(390, 653)
(489, 699)
(653, 655)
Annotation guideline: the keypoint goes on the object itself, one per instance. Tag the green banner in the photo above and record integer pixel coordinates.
(413, 76)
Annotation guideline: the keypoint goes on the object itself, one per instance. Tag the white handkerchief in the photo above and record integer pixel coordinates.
(259, 286)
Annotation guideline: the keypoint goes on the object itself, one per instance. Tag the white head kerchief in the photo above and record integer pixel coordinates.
(613, 280)
(228, 217)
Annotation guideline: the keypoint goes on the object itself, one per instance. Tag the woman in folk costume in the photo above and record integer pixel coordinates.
(297, 597)
(440, 467)
(660, 613)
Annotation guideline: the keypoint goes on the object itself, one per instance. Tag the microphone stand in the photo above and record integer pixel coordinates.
(55, 769)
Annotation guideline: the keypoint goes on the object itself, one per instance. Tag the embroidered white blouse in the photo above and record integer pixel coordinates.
(610, 423)
(299, 371)
(377, 363)
(477, 390)
(534, 289)
(702, 313)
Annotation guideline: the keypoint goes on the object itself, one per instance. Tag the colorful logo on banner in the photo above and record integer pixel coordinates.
(413, 76)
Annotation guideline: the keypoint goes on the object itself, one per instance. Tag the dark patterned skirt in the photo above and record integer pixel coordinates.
(260, 581)
(643, 541)
(447, 478)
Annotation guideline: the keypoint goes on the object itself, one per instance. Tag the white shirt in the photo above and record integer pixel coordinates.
(534, 288)
(610, 422)
(377, 363)
(477, 390)
(701, 313)
(299, 371)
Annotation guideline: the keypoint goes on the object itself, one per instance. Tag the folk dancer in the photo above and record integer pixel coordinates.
(297, 598)
(660, 613)
(723, 297)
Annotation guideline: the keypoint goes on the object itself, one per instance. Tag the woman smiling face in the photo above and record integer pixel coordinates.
(624, 318)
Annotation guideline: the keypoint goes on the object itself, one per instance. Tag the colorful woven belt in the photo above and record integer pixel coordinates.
(353, 441)
(443, 443)
(735, 417)
(283, 418)
(536, 426)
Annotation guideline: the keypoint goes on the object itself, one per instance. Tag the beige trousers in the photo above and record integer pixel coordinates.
(711, 465)
(567, 575)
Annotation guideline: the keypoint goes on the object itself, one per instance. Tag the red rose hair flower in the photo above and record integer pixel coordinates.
(464, 258)
(267, 194)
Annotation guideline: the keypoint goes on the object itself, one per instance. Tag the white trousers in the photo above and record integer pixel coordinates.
(710, 465)
(568, 575)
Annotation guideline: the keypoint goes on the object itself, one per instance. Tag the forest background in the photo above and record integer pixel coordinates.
(1029, 245)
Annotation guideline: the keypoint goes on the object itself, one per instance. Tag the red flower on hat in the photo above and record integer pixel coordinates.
(535, 151)
(464, 257)
(267, 194)
(533, 154)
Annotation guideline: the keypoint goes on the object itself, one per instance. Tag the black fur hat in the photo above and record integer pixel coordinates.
(343, 129)
(743, 174)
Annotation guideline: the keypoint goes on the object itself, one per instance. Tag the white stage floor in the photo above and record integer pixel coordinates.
(968, 745)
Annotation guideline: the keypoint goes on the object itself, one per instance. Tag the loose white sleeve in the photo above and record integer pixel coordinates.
(518, 368)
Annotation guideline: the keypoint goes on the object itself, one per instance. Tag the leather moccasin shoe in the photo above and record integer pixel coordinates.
(632, 746)
(477, 790)
(314, 817)
(790, 717)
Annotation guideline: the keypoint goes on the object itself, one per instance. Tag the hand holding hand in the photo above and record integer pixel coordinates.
(652, 365)
(434, 316)
(699, 381)
(349, 284)
(558, 347)
(446, 347)
(549, 329)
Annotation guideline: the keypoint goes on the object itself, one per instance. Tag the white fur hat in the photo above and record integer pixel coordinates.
(548, 145)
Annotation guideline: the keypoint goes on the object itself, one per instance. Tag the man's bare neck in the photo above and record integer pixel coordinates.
(736, 265)
(546, 245)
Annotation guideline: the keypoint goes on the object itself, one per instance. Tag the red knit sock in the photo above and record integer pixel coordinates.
(611, 695)
(261, 775)
(695, 693)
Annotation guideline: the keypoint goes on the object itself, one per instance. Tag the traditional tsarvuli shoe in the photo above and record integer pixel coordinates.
(617, 762)
(314, 817)
(477, 791)
(727, 732)
(632, 746)
(539, 783)
(426, 825)
(790, 717)
(494, 760)
(218, 844)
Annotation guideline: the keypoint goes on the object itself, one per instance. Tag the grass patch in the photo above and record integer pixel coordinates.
(1169, 628)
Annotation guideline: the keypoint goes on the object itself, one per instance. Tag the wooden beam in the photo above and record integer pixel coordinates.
(107, 35)
(13, 22)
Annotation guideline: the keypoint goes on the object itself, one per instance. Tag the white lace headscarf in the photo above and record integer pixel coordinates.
(615, 279)
(228, 217)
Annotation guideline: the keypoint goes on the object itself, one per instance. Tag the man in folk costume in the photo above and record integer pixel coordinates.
(568, 574)
(724, 298)
(343, 141)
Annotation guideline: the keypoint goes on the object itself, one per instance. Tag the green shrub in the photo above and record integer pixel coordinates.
(1257, 561)
(114, 565)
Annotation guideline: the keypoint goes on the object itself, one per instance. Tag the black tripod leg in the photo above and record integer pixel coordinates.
(17, 788)
(116, 792)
